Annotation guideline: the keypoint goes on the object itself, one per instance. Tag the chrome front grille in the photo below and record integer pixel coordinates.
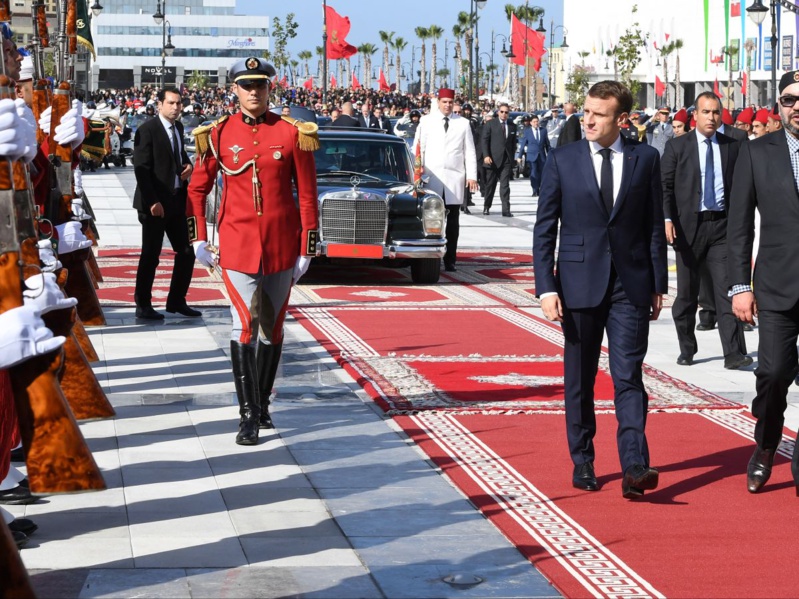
(353, 220)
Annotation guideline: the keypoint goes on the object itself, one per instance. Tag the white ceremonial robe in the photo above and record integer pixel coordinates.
(448, 157)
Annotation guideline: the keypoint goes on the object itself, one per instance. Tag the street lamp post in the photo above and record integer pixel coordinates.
(507, 53)
(552, 29)
(757, 12)
(473, 6)
(539, 29)
(167, 49)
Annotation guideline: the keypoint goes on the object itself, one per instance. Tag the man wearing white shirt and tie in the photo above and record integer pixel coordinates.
(447, 150)
(533, 148)
(499, 148)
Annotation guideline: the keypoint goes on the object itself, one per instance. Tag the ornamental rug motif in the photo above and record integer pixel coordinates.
(476, 382)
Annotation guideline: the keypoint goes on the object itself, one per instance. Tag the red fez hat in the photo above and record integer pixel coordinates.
(682, 116)
(726, 118)
(762, 116)
(693, 120)
(745, 116)
(774, 114)
(445, 92)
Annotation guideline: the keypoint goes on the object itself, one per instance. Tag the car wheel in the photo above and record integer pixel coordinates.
(425, 271)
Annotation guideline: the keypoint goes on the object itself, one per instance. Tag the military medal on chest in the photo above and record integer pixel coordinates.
(236, 149)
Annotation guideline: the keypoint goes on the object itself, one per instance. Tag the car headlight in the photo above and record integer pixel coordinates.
(433, 212)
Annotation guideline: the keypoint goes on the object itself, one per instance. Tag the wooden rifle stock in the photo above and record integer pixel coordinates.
(5, 11)
(72, 25)
(41, 25)
(41, 100)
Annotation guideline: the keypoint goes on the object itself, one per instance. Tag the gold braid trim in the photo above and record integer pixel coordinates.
(308, 139)
(202, 134)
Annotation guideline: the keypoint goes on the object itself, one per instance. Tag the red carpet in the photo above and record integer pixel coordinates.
(119, 265)
(700, 534)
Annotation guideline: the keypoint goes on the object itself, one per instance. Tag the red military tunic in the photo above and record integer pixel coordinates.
(247, 241)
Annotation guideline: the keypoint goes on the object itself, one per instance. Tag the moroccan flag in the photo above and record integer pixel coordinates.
(308, 84)
(417, 167)
(355, 83)
(744, 81)
(660, 87)
(716, 89)
(333, 82)
(382, 81)
(84, 27)
(735, 9)
(523, 37)
(284, 82)
(338, 28)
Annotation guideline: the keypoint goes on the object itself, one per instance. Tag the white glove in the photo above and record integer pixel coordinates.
(301, 267)
(44, 294)
(205, 256)
(44, 120)
(47, 256)
(78, 213)
(13, 138)
(23, 335)
(71, 238)
(26, 115)
(77, 181)
(70, 130)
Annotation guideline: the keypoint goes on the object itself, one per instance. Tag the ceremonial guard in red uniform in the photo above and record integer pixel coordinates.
(266, 237)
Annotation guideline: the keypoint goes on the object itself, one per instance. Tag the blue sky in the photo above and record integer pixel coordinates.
(401, 16)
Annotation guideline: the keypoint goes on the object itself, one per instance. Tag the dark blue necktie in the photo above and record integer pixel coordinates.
(709, 195)
(606, 179)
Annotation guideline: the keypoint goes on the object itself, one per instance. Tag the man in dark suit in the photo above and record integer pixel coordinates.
(697, 174)
(162, 169)
(766, 179)
(571, 131)
(384, 124)
(498, 141)
(346, 119)
(366, 119)
(611, 274)
(533, 148)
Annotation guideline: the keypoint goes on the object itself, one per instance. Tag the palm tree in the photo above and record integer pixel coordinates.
(386, 37)
(320, 52)
(435, 32)
(465, 23)
(366, 51)
(294, 64)
(399, 45)
(305, 56)
(422, 33)
(731, 52)
(513, 68)
(458, 32)
(749, 46)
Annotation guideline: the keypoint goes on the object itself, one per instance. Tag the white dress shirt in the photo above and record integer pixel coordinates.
(170, 127)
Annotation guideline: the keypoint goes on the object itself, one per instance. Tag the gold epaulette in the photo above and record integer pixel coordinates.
(201, 135)
(308, 139)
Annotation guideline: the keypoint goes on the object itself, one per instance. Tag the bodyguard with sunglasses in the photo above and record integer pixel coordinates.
(266, 239)
(499, 151)
(767, 178)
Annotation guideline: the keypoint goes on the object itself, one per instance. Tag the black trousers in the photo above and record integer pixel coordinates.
(776, 369)
(627, 327)
(709, 246)
(501, 174)
(173, 224)
(707, 298)
(452, 231)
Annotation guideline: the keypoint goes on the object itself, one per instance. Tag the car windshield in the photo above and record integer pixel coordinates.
(388, 162)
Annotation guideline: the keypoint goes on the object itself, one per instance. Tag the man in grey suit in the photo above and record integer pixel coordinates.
(659, 131)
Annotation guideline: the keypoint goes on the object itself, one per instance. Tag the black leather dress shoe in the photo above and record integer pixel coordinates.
(485, 211)
(584, 478)
(685, 359)
(18, 454)
(23, 525)
(705, 326)
(465, 209)
(450, 268)
(20, 539)
(759, 469)
(265, 420)
(508, 214)
(637, 479)
(184, 310)
(148, 314)
(735, 362)
(19, 495)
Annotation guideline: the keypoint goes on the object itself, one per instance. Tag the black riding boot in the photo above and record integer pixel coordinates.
(244, 376)
(267, 358)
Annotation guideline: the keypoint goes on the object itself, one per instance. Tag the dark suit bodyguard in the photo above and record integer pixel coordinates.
(498, 146)
(766, 179)
(697, 171)
(162, 169)
(611, 274)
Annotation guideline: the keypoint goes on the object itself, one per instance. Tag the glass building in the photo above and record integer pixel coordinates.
(207, 35)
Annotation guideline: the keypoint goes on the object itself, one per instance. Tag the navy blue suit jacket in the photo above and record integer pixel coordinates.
(632, 237)
(534, 149)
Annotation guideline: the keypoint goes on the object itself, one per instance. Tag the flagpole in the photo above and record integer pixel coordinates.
(324, 52)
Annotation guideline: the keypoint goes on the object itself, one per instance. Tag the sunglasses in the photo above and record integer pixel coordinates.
(788, 101)
(254, 84)
(503, 112)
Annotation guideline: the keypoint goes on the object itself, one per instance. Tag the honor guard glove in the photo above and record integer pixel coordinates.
(26, 116)
(78, 213)
(44, 120)
(47, 256)
(13, 137)
(77, 182)
(205, 256)
(71, 238)
(23, 335)
(300, 268)
(70, 130)
(44, 294)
